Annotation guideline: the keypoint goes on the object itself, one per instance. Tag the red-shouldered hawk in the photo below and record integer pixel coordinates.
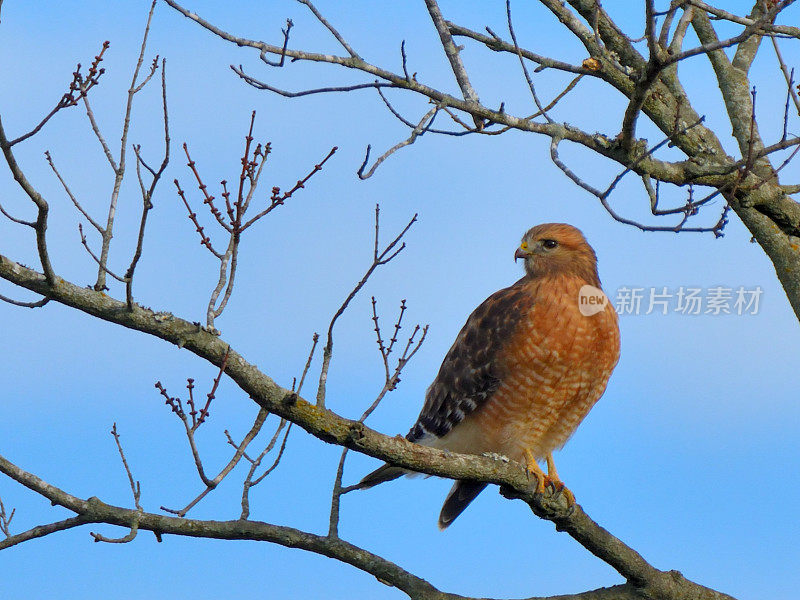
(526, 368)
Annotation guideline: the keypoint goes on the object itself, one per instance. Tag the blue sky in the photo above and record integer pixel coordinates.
(690, 456)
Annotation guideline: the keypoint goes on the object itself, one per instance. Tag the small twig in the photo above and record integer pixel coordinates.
(42, 530)
(314, 340)
(36, 304)
(136, 489)
(249, 482)
(96, 259)
(14, 219)
(78, 88)
(453, 55)
(239, 453)
(77, 204)
(330, 28)
(122, 540)
(378, 259)
(419, 130)
(285, 32)
(5, 519)
(260, 85)
(203, 415)
(787, 75)
(518, 52)
(278, 199)
(204, 239)
(390, 383)
(147, 194)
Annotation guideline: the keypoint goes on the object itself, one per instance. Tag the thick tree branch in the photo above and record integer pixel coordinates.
(328, 427)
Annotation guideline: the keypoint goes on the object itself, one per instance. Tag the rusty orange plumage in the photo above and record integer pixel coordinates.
(526, 368)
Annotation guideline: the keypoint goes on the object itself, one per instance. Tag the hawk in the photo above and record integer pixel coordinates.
(525, 369)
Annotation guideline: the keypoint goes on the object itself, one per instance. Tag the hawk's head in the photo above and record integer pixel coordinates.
(554, 248)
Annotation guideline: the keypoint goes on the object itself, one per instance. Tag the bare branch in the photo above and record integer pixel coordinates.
(766, 27)
(105, 269)
(135, 487)
(378, 259)
(325, 425)
(36, 304)
(40, 225)
(285, 33)
(77, 204)
(5, 519)
(420, 129)
(260, 85)
(498, 45)
(518, 52)
(43, 530)
(78, 88)
(453, 55)
(119, 171)
(330, 28)
(240, 448)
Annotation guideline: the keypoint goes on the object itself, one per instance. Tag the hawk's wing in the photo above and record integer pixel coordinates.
(470, 372)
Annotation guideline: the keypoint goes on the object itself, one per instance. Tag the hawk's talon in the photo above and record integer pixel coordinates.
(533, 468)
(559, 489)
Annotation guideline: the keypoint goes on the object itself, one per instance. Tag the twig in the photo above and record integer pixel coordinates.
(5, 519)
(147, 194)
(78, 89)
(240, 448)
(330, 28)
(77, 204)
(277, 199)
(260, 85)
(136, 489)
(249, 482)
(36, 304)
(390, 383)
(378, 259)
(419, 130)
(453, 55)
(43, 530)
(787, 75)
(42, 208)
(518, 52)
(285, 32)
(97, 260)
(233, 220)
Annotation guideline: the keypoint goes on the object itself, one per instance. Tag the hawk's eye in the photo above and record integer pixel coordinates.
(549, 244)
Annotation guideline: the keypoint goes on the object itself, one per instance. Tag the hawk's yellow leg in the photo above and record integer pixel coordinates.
(552, 475)
(534, 469)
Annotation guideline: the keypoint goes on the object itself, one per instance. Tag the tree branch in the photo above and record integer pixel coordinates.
(331, 428)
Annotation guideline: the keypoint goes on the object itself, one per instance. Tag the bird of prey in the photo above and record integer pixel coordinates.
(525, 369)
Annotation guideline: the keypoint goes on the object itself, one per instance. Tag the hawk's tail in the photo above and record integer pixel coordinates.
(385, 473)
(462, 493)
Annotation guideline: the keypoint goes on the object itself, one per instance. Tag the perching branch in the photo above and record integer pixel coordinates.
(331, 428)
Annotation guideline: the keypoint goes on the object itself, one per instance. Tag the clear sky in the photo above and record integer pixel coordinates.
(691, 456)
